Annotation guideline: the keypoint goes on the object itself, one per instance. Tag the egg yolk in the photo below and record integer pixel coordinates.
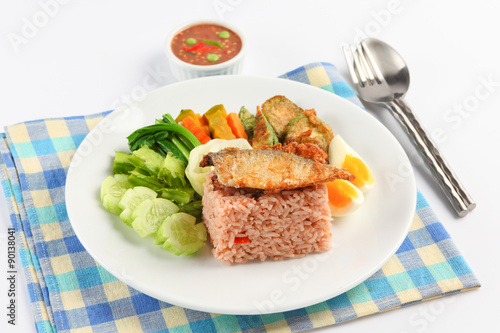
(358, 168)
(340, 193)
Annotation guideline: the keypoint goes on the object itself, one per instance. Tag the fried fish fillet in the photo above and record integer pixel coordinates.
(269, 170)
(307, 150)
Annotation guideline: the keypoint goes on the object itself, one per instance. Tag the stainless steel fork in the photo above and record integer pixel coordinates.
(371, 86)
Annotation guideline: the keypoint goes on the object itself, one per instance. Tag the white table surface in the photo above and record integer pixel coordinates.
(87, 57)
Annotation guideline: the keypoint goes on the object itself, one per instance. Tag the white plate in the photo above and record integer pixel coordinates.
(362, 242)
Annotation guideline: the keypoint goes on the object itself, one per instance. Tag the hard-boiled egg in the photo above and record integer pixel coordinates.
(343, 197)
(341, 155)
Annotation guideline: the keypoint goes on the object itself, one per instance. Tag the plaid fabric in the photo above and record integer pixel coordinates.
(70, 292)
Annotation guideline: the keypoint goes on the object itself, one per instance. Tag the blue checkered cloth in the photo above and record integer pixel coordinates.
(69, 291)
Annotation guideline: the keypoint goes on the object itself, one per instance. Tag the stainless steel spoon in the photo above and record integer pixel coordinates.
(391, 77)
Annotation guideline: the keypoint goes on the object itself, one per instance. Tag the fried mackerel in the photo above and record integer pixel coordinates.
(269, 170)
(307, 150)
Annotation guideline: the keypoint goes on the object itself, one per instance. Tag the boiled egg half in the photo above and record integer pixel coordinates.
(341, 155)
(343, 197)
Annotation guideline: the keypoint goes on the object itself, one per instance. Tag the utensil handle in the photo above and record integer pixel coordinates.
(431, 156)
(466, 198)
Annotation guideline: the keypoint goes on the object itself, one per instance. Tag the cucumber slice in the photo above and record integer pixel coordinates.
(181, 234)
(112, 190)
(161, 234)
(149, 214)
(131, 199)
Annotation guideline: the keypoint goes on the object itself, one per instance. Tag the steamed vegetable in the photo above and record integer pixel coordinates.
(140, 178)
(236, 126)
(147, 160)
(213, 110)
(196, 128)
(121, 163)
(194, 208)
(165, 136)
(172, 171)
(218, 127)
(183, 114)
(182, 195)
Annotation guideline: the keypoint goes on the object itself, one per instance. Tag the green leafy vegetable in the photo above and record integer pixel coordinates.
(121, 163)
(138, 178)
(181, 195)
(193, 208)
(147, 160)
(166, 137)
(172, 171)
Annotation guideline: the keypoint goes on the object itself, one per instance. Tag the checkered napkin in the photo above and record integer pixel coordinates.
(70, 292)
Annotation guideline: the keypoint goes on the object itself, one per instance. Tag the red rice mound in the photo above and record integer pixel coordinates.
(244, 226)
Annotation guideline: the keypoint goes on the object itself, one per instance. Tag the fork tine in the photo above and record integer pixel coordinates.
(350, 66)
(365, 67)
(372, 63)
(358, 68)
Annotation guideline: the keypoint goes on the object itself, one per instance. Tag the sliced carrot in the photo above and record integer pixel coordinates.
(203, 122)
(192, 126)
(236, 126)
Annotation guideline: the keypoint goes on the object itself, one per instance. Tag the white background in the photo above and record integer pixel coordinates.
(90, 57)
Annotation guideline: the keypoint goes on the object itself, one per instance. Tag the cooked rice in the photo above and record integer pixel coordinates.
(282, 225)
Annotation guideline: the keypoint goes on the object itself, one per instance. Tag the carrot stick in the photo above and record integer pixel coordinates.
(236, 126)
(203, 122)
(190, 124)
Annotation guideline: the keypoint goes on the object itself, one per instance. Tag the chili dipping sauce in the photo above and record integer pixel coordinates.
(206, 44)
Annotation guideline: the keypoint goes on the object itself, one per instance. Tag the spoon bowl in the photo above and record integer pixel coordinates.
(391, 65)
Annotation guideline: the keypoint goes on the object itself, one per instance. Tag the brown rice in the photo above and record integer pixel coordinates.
(290, 224)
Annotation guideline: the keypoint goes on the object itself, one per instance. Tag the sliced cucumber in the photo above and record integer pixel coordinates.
(181, 234)
(149, 214)
(161, 234)
(112, 190)
(131, 199)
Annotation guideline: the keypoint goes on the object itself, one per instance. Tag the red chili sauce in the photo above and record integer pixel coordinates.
(206, 44)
